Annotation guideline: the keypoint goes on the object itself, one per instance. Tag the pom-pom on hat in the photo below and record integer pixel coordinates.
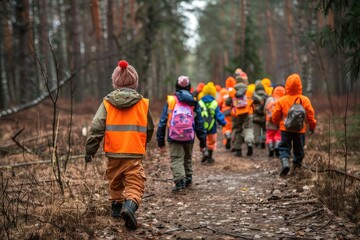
(125, 75)
(183, 82)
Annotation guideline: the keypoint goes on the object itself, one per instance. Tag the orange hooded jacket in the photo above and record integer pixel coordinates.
(293, 89)
(126, 128)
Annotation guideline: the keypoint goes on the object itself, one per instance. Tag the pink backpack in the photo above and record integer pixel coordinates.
(181, 123)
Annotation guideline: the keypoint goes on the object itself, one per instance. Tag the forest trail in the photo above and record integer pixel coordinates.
(234, 198)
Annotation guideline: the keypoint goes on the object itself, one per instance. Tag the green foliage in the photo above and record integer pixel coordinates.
(344, 38)
(219, 31)
(251, 60)
(353, 129)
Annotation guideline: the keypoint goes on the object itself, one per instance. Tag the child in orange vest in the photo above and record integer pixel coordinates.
(242, 125)
(123, 114)
(181, 115)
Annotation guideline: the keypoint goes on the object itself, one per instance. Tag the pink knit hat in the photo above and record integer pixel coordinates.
(125, 75)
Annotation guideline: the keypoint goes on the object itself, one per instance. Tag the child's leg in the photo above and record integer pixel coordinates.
(211, 144)
(270, 141)
(285, 150)
(277, 139)
(298, 145)
(177, 155)
(188, 148)
(116, 180)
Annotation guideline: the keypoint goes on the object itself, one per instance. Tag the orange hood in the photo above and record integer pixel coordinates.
(293, 85)
(279, 91)
(230, 82)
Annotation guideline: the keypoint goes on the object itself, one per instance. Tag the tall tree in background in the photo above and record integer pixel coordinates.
(344, 37)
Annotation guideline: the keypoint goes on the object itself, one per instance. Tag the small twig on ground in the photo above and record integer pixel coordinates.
(210, 228)
(324, 225)
(307, 215)
(148, 196)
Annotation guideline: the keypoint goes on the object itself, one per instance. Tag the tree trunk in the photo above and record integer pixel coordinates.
(6, 60)
(243, 27)
(290, 31)
(271, 45)
(75, 54)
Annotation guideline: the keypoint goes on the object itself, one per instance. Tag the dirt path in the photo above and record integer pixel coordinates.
(235, 198)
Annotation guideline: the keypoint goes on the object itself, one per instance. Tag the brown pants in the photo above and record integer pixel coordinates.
(126, 179)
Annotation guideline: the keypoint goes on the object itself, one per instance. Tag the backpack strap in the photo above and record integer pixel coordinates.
(299, 99)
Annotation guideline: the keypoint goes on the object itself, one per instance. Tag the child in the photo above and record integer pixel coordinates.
(211, 114)
(292, 138)
(242, 125)
(259, 97)
(123, 114)
(273, 135)
(182, 111)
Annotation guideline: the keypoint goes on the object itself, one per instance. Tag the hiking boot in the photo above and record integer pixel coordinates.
(249, 150)
(205, 156)
(271, 153)
(296, 169)
(262, 145)
(179, 185)
(115, 209)
(128, 214)
(210, 158)
(188, 180)
(285, 167)
(237, 153)
(227, 145)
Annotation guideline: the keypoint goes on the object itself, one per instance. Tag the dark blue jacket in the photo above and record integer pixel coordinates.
(219, 116)
(187, 97)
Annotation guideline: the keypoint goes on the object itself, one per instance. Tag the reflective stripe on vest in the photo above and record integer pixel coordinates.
(126, 128)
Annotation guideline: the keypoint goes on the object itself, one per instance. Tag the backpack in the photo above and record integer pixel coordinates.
(259, 103)
(181, 122)
(240, 100)
(295, 118)
(208, 113)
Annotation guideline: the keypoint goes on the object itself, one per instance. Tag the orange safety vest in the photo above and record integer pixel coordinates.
(126, 128)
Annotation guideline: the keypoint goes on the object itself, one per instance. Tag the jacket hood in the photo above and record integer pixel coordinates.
(123, 98)
(230, 82)
(207, 98)
(293, 85)
(186, 96)
(278, 92)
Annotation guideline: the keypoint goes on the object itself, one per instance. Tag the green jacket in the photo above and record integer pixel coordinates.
(120, 98)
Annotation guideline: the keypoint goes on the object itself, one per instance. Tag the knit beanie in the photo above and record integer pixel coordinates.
(209, 89)
(124, 75)
(183, 82)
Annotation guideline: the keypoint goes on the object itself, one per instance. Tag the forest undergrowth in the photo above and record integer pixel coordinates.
(32, 205)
